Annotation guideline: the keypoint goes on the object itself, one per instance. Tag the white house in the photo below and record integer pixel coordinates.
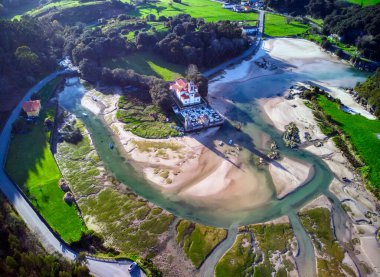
(186, 92)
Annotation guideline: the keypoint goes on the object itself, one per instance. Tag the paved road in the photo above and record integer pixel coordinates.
(32, 219)
(251, 50)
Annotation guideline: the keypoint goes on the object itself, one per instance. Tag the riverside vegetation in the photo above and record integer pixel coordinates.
(256, 250)
(144, 119)
(330, 253)
(197, 241)
(124, 221)
(352, 134)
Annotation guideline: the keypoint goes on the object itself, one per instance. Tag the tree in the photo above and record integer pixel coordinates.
(89, 70)
(28, 60)
(160, 94)
(194, 75)
(151, 17)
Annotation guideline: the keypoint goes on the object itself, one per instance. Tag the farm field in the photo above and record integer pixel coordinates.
(276, 26)
(148, 63)
(364, 2)
(207, 9)
(363, 136)
(31, 165)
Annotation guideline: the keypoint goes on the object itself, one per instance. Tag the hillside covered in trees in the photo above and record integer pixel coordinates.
(29, 49)
(22, 255)
(369, 92)
(358, 26)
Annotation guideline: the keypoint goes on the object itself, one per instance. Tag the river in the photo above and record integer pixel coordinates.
(244, 95)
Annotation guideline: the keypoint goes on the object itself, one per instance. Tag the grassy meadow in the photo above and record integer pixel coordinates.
(31, 165)
(277, 26)
(207, 9)
(148, 63)
(362, 133)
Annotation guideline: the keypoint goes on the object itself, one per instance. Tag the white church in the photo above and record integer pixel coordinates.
(186, 92)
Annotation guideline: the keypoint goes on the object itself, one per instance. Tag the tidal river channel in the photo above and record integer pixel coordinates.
(243, 95)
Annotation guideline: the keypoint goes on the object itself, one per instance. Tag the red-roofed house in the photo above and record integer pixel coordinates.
(186, 92)
(32, 108)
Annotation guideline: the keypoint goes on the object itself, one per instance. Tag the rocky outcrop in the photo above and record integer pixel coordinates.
(274, 155)
(69, 198)
(63, 185)
(291, 136)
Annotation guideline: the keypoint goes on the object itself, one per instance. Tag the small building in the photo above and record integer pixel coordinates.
(186, 92)
(32, 108)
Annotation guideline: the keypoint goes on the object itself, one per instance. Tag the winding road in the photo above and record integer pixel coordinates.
(52, 243)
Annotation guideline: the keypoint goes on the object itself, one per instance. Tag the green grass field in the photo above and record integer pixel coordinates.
(364, 2)
(148, 63)
(207, 9)
(362, 133)
(276, 26)
(31, 165)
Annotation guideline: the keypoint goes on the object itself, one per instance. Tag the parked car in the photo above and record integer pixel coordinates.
(132, 266)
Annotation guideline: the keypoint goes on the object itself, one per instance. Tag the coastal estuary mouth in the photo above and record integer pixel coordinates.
(244, 94)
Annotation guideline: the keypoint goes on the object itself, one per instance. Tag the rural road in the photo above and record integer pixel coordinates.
(251, 50)
(33, 220)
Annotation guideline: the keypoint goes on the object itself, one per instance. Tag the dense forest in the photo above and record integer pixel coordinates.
(193, 41)
(21, 254)
(314, 8)
(29, 49)
(369, 93)
(357, 25)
